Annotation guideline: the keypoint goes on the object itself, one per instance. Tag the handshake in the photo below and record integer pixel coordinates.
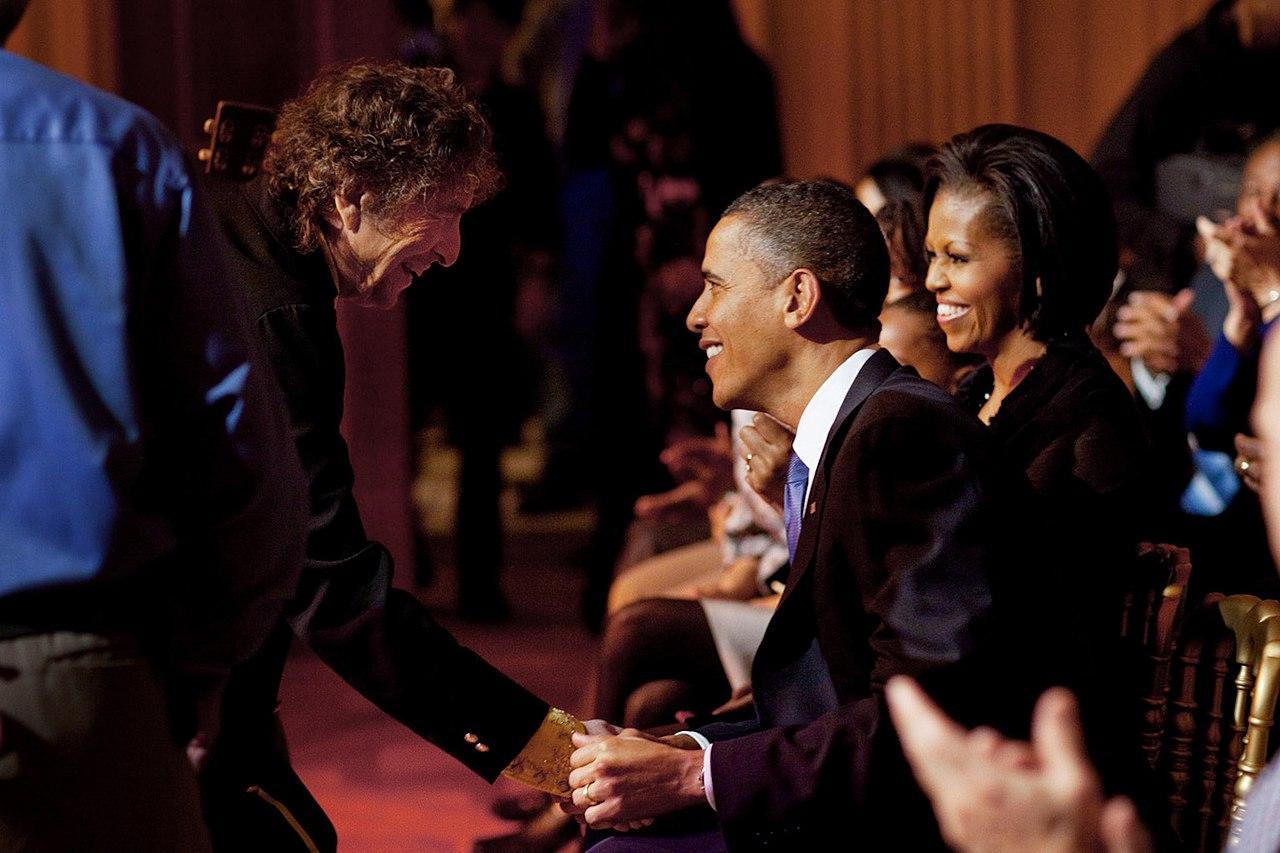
(611, 778)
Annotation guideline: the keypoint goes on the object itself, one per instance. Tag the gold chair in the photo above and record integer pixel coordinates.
(1208, 766)
(1257, 632)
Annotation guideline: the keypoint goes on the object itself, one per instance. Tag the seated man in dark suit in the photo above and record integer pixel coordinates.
(889, 525)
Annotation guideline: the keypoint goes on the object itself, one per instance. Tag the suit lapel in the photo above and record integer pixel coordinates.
(869, 378)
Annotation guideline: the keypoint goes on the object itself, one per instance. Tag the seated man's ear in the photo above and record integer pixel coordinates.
(348, 209)
(803, 295)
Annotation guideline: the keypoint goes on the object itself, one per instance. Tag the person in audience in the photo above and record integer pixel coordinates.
(1182, 132)
(892, 189)
(640, 686)
(909, 330)
(992, 794)
(364, 185)
(150, 497)
(895, 177)
(892, 568)
(1022, 253)
(510, 242)
(1244, 253)
(682, 627)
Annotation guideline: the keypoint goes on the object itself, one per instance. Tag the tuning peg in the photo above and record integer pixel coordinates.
(208, 125)
(203, 155)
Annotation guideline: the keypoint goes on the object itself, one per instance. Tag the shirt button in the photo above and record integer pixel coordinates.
(471, 737)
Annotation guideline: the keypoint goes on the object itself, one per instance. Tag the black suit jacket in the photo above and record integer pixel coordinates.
(378, 638)
(894, 573)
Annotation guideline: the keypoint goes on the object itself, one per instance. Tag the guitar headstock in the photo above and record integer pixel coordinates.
(238, 137)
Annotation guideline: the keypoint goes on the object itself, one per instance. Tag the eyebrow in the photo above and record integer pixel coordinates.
(709, 275)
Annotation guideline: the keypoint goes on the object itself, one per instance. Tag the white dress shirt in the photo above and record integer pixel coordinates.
(816, 420)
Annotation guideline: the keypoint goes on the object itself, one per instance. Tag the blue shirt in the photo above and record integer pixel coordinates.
(1221, 396)
(139, 441)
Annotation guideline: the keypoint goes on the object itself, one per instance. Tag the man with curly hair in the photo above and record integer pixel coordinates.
(362, 189)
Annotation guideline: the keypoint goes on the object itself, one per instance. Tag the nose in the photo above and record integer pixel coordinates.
(934, 280)
(451, 246)
(697, 319)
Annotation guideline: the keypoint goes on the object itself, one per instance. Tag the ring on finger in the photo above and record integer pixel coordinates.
(750, 456)
(586, 794)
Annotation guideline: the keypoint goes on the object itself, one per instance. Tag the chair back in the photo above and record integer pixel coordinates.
(1154, 609)
(1224, 677)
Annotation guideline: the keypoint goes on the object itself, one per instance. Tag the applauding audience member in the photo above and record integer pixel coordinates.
(1245, 254)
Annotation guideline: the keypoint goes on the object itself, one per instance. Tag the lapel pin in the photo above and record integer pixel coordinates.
(813, 508)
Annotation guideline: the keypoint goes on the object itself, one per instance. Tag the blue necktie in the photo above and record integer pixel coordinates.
(793, 502)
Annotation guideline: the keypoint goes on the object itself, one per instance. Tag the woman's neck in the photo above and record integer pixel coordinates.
(1010, 365)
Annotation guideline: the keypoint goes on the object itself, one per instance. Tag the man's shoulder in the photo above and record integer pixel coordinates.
(268, 269)
(39, 104)
(905, 412)
(903, 394)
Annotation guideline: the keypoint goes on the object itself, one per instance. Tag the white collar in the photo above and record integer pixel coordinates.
(820, 412)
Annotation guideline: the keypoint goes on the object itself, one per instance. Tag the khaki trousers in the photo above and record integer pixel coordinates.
(87, 761)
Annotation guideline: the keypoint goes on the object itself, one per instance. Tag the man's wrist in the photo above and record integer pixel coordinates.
(687, 740)
(704, 775)
(693, 791)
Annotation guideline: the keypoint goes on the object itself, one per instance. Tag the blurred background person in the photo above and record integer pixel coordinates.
(510, 244)
(1244, 253)
(1174, 149)
(662, 86)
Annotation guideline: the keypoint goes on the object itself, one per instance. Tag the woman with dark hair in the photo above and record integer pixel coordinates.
(892, 188)
(1022, 251)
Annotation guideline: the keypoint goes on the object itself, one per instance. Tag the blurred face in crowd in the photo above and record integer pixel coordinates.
(912, 338)
(375, 256)
(738, 319)
(869, 194)
(1259, 202)
(975, 275)
(903, 280)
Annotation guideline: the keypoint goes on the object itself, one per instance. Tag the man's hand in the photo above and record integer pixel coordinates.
(1162, 331)
(991, 794)
(766, 445)
(624, 781)
(702, 466)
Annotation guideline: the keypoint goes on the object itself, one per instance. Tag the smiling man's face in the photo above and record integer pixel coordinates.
(738, 320)
(377, 256)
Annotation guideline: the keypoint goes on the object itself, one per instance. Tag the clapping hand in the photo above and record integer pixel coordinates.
(704, 469)
(1162, 331)
(991, 794)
